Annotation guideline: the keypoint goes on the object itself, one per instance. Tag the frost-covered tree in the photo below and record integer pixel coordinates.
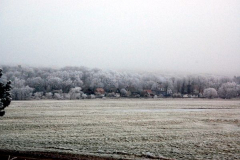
(238, 90)
(67, 85)
(236, 79)
(49, 95)
(37, 83)
(48, 80)
(23, 93)
(201, 83)
(168, 84)
(18, 83)
(179, 84)
(228, 90)
(54, 83)
(5, 95)
(210, 93)
(75, 93)
(123, 92)
(66, 96)
(213, 82)
(38, 95)
(57, 96)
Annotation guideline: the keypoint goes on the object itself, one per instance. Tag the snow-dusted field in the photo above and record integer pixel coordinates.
(127, 128)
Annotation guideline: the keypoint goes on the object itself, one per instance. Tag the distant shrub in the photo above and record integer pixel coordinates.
(200, 95)
(161, 96)
(228, 90)
(75, 93)
(49, 95)
(84, 96)
(117, 95)
(66, 96)
(92, 96)
(137, 96)
(177, 95)
(57, 96)
(38, 95)
(123, 92)
(210, 93)
(110, 94)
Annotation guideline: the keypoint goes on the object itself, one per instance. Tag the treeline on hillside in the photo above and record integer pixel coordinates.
(82, 82)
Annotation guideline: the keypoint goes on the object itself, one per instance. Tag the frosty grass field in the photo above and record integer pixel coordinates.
(125, 128)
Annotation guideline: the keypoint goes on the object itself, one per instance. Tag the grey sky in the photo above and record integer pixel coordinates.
(181, 35)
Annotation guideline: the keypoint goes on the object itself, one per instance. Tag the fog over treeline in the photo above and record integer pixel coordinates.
(82, 82)
(197, 36)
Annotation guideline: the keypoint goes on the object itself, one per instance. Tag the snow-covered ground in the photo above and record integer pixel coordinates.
(126, 128)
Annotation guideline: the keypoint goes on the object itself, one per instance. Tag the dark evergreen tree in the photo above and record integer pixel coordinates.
(5, 95)
(189, 88)
(183, 88)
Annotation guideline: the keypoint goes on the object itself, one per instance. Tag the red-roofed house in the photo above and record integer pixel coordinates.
(99, 91)
(148, 93)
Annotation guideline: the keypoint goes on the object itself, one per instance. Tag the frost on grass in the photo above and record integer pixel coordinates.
(177, 129)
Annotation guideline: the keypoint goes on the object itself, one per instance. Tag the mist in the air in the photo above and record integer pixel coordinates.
(198, 36)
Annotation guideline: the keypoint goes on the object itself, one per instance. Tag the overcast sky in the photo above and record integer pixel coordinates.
(201, 36)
